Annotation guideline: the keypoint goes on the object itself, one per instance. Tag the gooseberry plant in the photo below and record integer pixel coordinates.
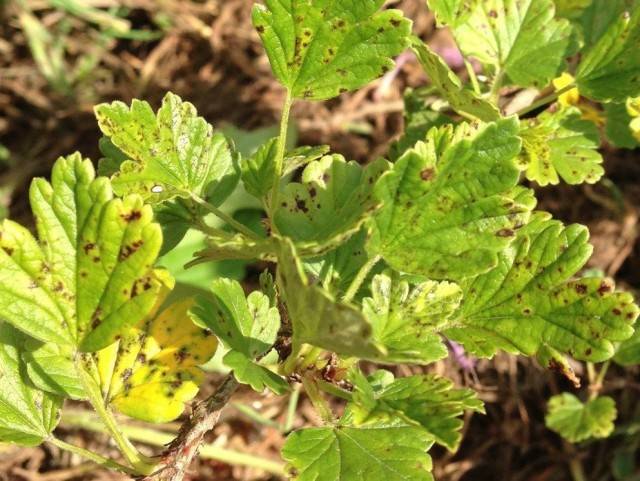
(370, 266)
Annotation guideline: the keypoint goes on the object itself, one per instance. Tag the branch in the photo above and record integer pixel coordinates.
(179, 454)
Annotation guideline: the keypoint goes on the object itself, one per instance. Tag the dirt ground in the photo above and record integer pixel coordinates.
(211, 56)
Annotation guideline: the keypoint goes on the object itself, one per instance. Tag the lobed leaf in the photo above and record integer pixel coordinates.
(450, 87)
(152, 371)
(345, 453)
(27, 414)
(561, 145)
(170, 154)
(331, 203)
(610, 70)
(527, 301)
(628, 352)
(451, 204)
(406, 318)
(452, 12)
(86, 238)
(577, 421)
(518, 38)
(248, 326)
(316, 317)
(321, 48)
(429, 401)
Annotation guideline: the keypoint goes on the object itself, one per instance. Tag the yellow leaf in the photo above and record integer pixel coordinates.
(153, 371)
(570, 97)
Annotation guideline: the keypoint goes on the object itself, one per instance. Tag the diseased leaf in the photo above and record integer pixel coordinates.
(171, 154)
(599, 15)
(248, 326)
(450, 87)
(316, 317)
(429, 401)
(331, 202)
(518, 38)
(51, 368)
(381, 451)
(87, 238)
(258, 171)
(234, 246)
(452, 12)
(27, 415)
(319, 49)
(407, 318)
(561, 145)
(628, 353)
(571, 9)
(610, 70)
(451, 204)
(527, 301)
(152, 371)
(577, 421)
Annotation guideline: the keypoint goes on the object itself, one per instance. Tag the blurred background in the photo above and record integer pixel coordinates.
(58, 58)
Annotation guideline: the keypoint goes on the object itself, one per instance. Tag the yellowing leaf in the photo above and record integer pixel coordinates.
(153, 370)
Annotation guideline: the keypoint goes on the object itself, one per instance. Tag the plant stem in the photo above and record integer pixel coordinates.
(291, 409)
(596, 385)
(577, 470)
(320, 404)
(472, 77)
(335, 390)
(96, 458)
(354, 287)
(152, 437)
(279, 160)
(92, 390)
(243, 229)
(545, 100)
(494, 93)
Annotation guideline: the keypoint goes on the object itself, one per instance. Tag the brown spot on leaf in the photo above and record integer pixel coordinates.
(427, 174)
(581, 289)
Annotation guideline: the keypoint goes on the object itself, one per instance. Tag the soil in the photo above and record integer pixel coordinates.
(212, 57)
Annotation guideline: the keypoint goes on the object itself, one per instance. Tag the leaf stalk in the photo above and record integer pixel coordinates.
(279, 160)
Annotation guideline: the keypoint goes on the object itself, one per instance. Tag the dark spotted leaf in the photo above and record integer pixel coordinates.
(451, 203)
(319, 49)
(406, 318)
(330, 203)
(170, 154)
(528, 300)
(452, 12)
(86, 238)
(558, 145)
(152, 371)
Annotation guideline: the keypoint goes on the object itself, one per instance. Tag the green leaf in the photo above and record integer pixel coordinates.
(87, 238)
(452, 12)
(571, 9)
(319, 49)
(27, 415)
(558, 145)
(618, 128)
(316, 317)
(152, 371)
(406, 318)
(518, 38)
(599, 15)
(258, 171)
(171, 154)
(610, 70)
(577, 421)
(451, 204)
(51, 369)
(428, 400)
(373, 452)
(628, 353)
(450, 87)
(527, 301)
(331, 203)
(248, 326)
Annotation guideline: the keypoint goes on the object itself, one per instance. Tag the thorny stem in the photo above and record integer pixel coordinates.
(243, 229)
(96, 458)
(135, 459)
(354, 287)
(179, 454)
(545, 100)
(153, 437)
(279, 160)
